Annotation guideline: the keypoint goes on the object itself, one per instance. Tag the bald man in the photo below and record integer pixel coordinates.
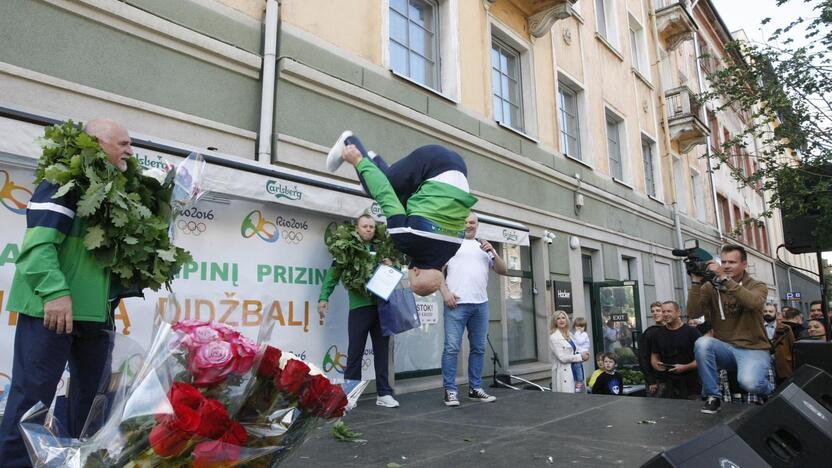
(64, 303)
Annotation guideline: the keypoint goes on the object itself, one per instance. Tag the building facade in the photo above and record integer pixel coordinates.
(575, 118)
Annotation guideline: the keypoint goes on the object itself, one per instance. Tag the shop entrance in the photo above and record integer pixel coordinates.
(616, 320)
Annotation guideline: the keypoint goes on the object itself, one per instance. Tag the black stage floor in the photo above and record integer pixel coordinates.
(522, 428)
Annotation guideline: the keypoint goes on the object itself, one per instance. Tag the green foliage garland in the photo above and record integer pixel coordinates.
(351, 256)
(127, 214)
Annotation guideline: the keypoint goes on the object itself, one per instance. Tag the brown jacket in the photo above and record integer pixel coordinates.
(742, 304)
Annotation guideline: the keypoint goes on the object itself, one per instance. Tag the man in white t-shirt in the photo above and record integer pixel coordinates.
(466, 305)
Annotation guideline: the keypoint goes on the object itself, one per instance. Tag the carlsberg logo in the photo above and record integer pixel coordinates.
(275, 188)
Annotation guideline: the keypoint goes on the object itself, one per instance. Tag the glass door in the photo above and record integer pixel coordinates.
(616, 320)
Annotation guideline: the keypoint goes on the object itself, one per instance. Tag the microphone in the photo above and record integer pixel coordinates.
(490, 252)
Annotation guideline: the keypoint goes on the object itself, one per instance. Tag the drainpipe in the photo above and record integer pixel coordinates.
(678, 225)
(264, 148)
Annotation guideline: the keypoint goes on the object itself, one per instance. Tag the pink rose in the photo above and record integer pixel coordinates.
(211, 362)
(226, 331)
(245, 351)
(203, 335)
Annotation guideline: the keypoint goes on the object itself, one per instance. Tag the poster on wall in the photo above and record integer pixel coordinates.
(563, 296)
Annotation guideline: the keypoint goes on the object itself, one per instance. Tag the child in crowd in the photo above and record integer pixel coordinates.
(599, 369)
(609, 382)
(582, 344)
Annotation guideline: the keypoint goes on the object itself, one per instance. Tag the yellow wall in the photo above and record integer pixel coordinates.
(354, 25)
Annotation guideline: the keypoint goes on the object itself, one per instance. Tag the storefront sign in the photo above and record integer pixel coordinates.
(563, 296)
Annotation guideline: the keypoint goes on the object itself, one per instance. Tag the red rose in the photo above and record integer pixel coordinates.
(215, 454)
(311, 398)
(168, 441)
(334, 402)
(236, 434)
(245, 351)
(214, 420)
(292, 377)
(184, 418)
(187, 395)
(269, 363)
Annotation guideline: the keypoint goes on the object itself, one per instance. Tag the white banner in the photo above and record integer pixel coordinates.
(251, 260)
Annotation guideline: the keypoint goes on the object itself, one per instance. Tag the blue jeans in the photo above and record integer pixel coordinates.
(751, 366)
(475, 317)
(578, 376)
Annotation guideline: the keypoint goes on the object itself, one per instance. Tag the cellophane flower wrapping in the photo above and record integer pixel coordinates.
(205, 396)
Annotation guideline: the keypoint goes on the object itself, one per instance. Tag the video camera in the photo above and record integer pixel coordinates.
(696, 263)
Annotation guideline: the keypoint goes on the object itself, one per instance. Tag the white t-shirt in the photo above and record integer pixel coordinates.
(468, 273)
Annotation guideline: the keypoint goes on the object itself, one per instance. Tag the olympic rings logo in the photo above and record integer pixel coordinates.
(12, 195)
(191, 227)
(292, 237)
(333, 359)
(255, 223)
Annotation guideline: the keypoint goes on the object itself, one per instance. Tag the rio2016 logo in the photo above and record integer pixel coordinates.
(14, 197)
(333, 359)
(255, 224)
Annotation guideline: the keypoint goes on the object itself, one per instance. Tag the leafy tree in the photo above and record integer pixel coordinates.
(783, 90)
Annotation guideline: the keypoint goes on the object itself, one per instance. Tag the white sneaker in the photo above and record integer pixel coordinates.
(387, 401)
(334, 159)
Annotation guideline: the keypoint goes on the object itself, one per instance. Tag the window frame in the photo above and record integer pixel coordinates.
(613, 117)
(699, 209)
(638, 46)
(505, 50)
(651, 146)
(565, 89)
(503, 34)
(436, 70)
(606, 16)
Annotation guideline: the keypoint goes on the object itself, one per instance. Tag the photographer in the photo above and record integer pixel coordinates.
(732, 301)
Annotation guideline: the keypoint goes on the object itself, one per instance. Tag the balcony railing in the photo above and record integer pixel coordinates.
(674, 22)
(685, 119)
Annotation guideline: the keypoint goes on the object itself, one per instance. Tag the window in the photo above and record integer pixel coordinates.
(605, 22)
(506, 85)
(736, 224)
(629, 269)
(666, 73)
(725, 212)
(520, 310)
(570, 125)
(614, 146)
(713, 123)
(758, 242)
(764, 236)
(649, 169)
(638, 46)
(697, 187)
(414, 39)
(679, 180)
(749, 234)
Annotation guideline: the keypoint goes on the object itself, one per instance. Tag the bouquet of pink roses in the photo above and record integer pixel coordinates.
(206, 396)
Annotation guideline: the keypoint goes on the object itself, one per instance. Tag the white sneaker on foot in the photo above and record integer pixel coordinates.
(334, 159)
(387, 401)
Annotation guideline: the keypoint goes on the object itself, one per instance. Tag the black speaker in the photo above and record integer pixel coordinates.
(720, 447)
(815, 382)
(791, 430)
(798, 230)
(813, 353)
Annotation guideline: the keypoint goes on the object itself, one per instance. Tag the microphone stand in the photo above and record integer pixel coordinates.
(495, 360)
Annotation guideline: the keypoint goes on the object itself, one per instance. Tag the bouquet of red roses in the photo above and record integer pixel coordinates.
(206, 396)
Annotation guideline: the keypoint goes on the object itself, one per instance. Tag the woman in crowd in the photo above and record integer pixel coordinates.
(363, 319)
(564, 353)
(816, 330)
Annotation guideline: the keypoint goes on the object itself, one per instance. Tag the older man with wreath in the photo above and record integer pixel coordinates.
(62, 296)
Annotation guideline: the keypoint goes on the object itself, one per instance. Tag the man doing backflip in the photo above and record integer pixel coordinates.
(425, 199)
